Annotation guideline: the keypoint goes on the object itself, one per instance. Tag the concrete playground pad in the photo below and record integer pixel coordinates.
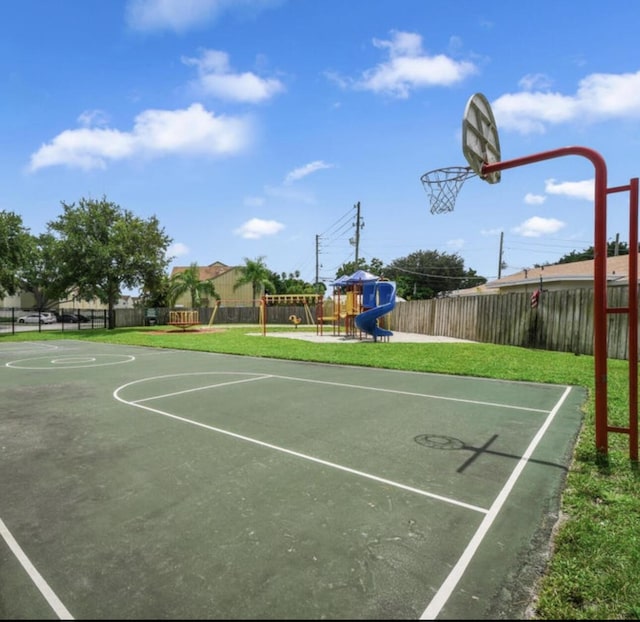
(140, 483)
(330, 337)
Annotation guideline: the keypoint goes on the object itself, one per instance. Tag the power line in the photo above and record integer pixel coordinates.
(339, 225)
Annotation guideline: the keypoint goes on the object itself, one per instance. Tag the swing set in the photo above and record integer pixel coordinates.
(291, 299)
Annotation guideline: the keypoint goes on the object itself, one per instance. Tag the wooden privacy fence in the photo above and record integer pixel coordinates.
(224, 314)
(562, 321)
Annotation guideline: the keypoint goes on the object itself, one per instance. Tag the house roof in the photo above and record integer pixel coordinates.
(617, 270)
(211, 271)
(576, 272)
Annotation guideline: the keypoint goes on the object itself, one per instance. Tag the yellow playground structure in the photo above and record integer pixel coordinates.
(361, 303)
(354, 300)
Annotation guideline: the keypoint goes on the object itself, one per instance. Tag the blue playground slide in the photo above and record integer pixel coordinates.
(384, 294)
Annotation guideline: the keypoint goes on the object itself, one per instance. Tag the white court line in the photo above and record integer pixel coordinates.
(49, 595)
(210, 386)
(26, 347)
(323, 382)
(284, 450)
(23, 363)
(446, 589)
(442, 595)
(412, 394)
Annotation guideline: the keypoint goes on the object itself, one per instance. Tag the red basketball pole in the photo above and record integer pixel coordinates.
(634, 198)
(632, 310)
(600, 269)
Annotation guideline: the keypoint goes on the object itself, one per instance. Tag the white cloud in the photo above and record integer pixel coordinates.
(257, 228)
(572, 189)
(599, 97)
(191, 131)
(182, 15)
(534, 199)
(93, 118)
(84, 148)
(286, 193)
(215, 78)
(610, 95)
(178, 249)
(305, 170)
(194, 130)
(531, 112)
(537, 226)
(409, 68)
(535, 80)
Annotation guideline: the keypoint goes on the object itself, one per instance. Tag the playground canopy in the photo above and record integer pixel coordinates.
(359, 276)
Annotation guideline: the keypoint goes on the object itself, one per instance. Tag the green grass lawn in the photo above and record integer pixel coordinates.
(594, 569)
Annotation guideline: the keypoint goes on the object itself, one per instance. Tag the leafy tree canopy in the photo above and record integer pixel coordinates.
(613, 248)
(42, 272)
(427, 274)
(156, 293)
(375, 267)
(256, 273)
(105, 248)
(15, 244)
(292, 284)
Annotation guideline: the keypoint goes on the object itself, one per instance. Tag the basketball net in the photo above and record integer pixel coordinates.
(442, 186)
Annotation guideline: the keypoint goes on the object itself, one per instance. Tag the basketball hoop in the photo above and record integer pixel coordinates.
(443, 184)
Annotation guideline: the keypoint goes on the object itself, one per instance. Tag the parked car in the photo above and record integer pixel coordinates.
(37, 318)
(71, 318)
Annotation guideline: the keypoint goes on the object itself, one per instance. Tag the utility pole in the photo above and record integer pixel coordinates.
(500, 255)
(358, 226)
(317, 261)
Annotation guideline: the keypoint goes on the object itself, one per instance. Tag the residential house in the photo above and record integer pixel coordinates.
(26, 300)
(224, 279)
(560, 276)
(15, 302)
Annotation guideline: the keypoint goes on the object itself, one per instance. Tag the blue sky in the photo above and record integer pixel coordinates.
(251, 128)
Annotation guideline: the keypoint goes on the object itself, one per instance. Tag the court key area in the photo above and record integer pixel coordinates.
(140, 483)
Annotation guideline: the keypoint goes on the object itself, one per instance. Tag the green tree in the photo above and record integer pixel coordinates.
(156, 292)
(105, 248)
(375, 267)
(255, 271)
(189, 281)
(15, 244)
(42, 272)
(427, 274)
(291, 283)
(613, 249)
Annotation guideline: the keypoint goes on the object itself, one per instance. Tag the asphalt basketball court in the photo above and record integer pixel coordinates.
(158, 484)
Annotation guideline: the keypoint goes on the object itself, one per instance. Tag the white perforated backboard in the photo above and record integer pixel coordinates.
(480, 143)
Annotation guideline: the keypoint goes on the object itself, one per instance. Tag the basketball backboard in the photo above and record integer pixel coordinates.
(480, 143)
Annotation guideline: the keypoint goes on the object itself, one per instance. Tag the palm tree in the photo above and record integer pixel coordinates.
(189, 281)
(255, 271)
